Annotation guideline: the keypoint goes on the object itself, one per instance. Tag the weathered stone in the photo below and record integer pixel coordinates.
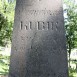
(38, 45)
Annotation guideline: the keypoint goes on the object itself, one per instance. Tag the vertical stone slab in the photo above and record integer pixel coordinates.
(38, 44)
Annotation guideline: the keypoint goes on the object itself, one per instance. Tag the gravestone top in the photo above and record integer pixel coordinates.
(38, 43)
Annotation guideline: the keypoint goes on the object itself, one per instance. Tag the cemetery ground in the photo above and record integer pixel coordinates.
(5, 59)
(71, 30)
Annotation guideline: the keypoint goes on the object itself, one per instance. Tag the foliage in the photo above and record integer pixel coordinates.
(71, 25)
(6, 24)
(6, 21)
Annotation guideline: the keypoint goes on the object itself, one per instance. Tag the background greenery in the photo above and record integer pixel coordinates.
(7, 8)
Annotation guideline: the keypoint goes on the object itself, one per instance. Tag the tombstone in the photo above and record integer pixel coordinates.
(38, 43)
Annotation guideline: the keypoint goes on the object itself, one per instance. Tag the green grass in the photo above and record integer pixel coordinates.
(73, 69)
(72, 72)
(4, 64)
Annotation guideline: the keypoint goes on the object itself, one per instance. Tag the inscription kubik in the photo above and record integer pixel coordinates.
(38, 43)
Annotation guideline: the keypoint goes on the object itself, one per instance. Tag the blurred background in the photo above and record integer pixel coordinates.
(7, 9)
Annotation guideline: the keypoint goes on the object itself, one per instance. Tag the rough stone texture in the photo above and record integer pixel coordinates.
(38, 45)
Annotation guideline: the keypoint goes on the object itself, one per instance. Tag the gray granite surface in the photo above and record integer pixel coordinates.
(38, 42)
